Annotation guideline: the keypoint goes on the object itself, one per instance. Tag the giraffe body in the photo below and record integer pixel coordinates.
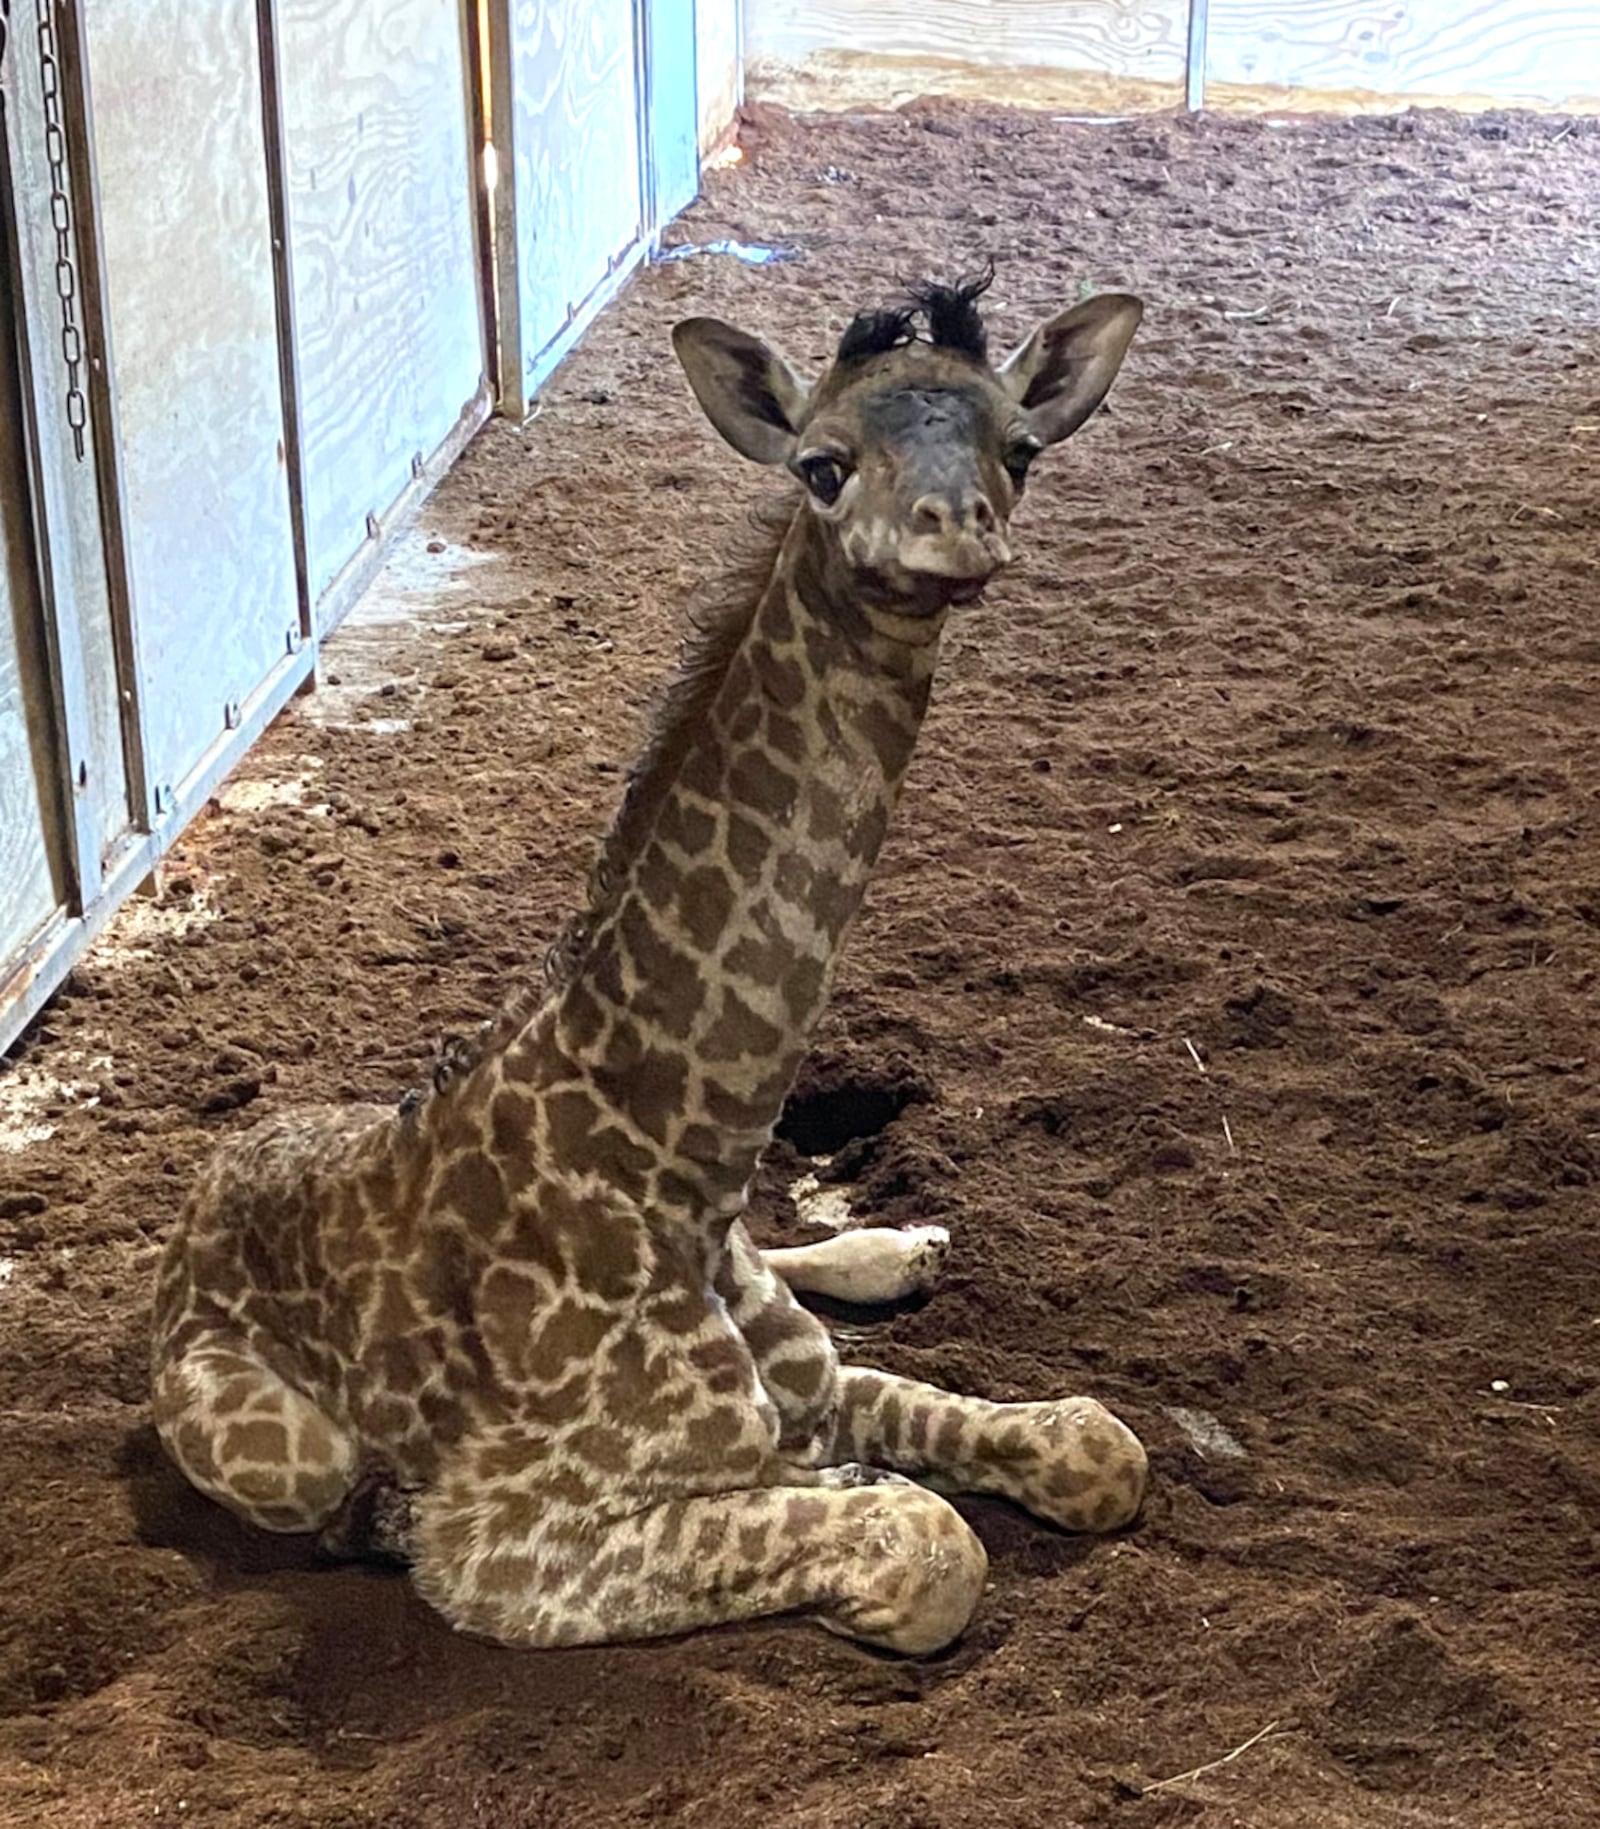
(518, 1331)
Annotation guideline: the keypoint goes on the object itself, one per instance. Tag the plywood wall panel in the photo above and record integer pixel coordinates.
(1532, 51)
(32, 880)
(1120, 55)
(822, 53)
(387, 313)
(69, 486)
(716, 29)
(193, 320)
(672, 138)
(579, 200)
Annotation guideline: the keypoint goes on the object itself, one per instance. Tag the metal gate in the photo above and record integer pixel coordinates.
(260, 283)
(597, 150)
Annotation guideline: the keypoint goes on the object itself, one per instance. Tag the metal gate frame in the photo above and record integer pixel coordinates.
(97, 885)
(519, 378)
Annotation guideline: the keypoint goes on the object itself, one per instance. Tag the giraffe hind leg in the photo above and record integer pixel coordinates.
(869, 1264)
(248, 1439)
(874, 1559)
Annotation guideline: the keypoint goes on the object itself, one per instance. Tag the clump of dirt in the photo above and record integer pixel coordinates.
(1228, 990)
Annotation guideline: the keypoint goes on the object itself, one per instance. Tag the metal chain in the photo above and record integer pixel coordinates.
(55, 150)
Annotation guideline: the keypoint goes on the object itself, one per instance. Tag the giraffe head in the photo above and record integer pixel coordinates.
(912, 447)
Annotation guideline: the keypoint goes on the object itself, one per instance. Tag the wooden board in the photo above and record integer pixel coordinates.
(1539, 52)
(32, 882)
(837, 53)
(579, 201)
(716, 39)
(178, 129)
(388, 317)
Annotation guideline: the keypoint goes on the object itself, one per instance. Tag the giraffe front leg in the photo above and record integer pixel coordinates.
(884, 1562)
(248, 1439)
(868, 1265)
(1070, 1462)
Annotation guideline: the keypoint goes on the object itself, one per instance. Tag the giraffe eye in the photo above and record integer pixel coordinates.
(824, 476)
(1017, 459)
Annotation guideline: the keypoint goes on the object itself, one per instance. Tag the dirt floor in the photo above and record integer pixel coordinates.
(1239, 939)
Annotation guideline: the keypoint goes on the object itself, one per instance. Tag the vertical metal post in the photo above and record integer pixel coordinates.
(79, 104)
(75, 859)
(275, 142)
(1195, 70)
(512, 397)
(644, 111)
(480, 104)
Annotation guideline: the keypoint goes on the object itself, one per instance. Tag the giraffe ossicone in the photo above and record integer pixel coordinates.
(516, 1332)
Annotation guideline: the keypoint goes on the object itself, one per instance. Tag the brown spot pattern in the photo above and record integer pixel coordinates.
(705, 900)
(748, 846)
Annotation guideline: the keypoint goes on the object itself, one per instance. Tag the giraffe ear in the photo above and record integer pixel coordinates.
(749, 393)
(1065, 369)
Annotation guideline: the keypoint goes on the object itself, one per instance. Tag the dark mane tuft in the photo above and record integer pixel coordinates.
(875, 333)
(948, 313)
(952, 312)
(718, 623)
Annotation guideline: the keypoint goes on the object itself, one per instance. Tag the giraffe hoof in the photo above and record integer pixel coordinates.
(858, 1473)
(867, 1265)
(926, 1248)
(373, 1525)
(1092, 1467)
(890, 1264)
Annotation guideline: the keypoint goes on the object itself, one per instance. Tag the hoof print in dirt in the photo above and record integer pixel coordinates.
(1407, 1702)
(833, 1105)
(838, 1123)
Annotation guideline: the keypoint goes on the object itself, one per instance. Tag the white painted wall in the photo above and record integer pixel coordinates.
(1122, 55)
(1538, 53)
(1045, 53)
(716, 27)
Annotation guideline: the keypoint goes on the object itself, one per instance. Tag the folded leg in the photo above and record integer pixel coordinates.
(1070, 1462)
(883, 1561)
(248, 1439)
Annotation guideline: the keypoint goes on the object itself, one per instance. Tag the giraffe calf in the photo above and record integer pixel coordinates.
(516, 1332)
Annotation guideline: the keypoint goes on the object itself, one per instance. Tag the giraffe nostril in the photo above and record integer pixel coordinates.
(931, 514)
(983, 514)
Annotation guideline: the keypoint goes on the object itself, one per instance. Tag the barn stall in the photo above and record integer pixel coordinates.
(258, 312)
(1226, 990)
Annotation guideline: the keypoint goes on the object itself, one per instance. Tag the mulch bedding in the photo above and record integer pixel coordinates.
(1228, 990)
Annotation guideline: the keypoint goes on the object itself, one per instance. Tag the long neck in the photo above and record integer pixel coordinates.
(690, 1009)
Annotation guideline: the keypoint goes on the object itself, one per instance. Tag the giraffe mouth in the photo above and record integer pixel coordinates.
(931, 592)
(920, 593)
(964, 590)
